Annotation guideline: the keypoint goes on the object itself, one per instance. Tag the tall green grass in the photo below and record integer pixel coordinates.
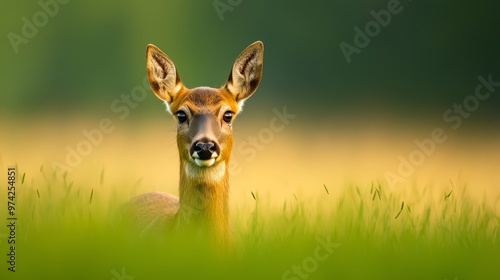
(66, 230)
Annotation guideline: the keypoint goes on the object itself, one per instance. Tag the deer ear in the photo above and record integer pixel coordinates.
(162, 74)
(246, 73)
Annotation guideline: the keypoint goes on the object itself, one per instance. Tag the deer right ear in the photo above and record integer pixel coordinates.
(246, 73)
(162, 74)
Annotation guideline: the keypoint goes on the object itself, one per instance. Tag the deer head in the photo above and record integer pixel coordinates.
(205, 115)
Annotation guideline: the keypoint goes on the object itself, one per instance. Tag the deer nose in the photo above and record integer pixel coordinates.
(205, 150)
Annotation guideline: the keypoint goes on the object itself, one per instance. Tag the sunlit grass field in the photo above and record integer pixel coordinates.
(66, 231)
(293, 216)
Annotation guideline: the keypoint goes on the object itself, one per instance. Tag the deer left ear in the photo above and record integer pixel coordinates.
(246, 73)
(162, 75)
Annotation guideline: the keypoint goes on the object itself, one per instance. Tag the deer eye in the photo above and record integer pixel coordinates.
(228, 116)
(181, 116)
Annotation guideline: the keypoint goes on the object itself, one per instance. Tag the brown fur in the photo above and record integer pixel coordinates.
(203, 191)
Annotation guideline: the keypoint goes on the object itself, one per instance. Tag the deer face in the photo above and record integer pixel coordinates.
(205, 115)
(204, 130)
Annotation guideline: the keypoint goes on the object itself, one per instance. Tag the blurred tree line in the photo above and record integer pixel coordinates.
(87, 53)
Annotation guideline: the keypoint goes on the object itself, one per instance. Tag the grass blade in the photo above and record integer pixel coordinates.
(91, 195)
(326, 189)
(447, 195)
(401, 210)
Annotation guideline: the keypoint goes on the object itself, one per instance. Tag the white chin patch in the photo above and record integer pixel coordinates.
(204, 163)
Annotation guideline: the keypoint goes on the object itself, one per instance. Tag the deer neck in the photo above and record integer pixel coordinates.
(203, 198)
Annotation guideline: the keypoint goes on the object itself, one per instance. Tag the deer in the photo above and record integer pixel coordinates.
(204, 117)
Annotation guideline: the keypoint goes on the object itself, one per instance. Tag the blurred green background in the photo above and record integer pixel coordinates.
(91, 52)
